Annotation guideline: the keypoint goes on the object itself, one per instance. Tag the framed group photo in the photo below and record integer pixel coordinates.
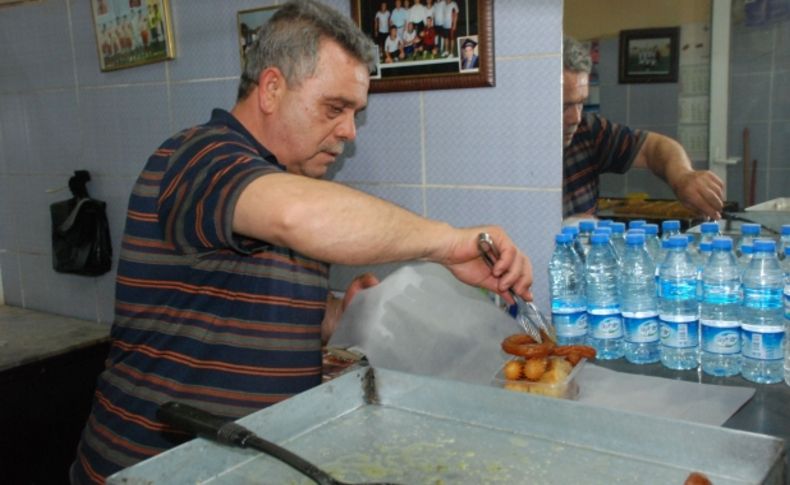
(649, 55)
(132, 32)
(429, 44)
(249, 24)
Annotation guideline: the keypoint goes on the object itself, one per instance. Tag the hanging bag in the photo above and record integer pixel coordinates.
(80, 232)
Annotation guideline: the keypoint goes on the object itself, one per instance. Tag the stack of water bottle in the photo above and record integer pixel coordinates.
(711, 305)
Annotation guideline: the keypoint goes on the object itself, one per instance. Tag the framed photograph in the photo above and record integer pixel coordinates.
(649, 55)
(421, 43)
(132, 32)
(249, 27)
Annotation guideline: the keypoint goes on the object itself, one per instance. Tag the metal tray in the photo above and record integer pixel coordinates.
(375, 424)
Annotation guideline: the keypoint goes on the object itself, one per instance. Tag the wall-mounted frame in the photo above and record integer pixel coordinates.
(649, 55)
(132, 32)
(249, 23)
(434, 65)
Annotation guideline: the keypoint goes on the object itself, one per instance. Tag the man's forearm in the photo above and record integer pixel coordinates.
(666, 158)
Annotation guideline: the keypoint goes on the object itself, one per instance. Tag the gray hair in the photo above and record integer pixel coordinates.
(290, 41)
(575, 57)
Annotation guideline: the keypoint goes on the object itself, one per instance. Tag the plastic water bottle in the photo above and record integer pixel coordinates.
(786, 269)
(669, 228)
(746, 257)
(703, 255)
(678, 309)
(720, 311)
(762, 316)
(566, 287)
(618, 239)
(636, 223)
(577, 243)
(638, 302)
(604, 322)
(652, 242)
(708, 231)
(607, 231)
(586, 229)
(749, 232)
(784, 241)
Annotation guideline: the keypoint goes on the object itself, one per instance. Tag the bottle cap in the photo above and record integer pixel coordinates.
(636, 230)
(599, 238)
(709, 227)
(705, 247)
(586, 226)
(572, 230)
(787, 250)
(604, 230)
(670, 225)
(677, 241)
(563, 238)
(651, 229)
(604, 223)
(691, 238)
(785, 229)
(635, 238)
(618, 227)
(747, 249)
(750, 229)
(723, 243)
(764, 246)
(636, 223)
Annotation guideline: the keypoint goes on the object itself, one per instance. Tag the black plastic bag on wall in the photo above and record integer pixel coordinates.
(81, 241)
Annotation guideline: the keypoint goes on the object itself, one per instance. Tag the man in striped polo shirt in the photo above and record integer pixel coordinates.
(595, 145)
(222, 296)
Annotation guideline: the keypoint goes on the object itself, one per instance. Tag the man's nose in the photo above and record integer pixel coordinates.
(572, 115)
(347, 129)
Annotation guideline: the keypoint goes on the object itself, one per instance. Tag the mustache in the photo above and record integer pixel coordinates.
(336, 148)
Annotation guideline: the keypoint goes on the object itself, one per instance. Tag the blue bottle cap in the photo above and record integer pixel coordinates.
(635, 238)
(722, 242)
(651, 229)
(599, 238)
(764, 246)
(787, 250)
(637, 223)
(747, 249)
(670, 225)
(709, 227)
(785, 229)
(605, 230)
(678, 241)
(618, 227)
(636, 230)
(586, 226)
(706, 247)
(563, 238)
(691, 238)
(750, 229)
(604, 223)
(572, 230)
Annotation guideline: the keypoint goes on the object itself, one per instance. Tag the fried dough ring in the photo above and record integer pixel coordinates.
(523, 345)
(582, 350)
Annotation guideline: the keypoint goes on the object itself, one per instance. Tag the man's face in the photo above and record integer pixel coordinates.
(469, 52)
(575, 89)
(318, 117)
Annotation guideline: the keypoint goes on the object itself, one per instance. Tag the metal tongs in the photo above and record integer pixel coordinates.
(529, 317)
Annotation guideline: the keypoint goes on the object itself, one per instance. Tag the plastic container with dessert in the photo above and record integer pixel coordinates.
(558, 380)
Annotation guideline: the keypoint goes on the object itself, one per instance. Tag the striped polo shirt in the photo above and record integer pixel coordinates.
(598, 146)
(202, 315)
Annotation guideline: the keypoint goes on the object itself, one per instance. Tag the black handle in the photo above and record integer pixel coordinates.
(206, 425)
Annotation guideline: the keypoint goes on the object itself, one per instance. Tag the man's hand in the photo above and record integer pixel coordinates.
(701, 191)
(513, 269)
(335, 307)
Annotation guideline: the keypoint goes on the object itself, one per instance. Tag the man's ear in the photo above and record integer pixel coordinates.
(271, 87)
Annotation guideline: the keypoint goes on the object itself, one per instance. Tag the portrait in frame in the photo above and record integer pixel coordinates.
(132, 32)
(420, 53)
(649, 55)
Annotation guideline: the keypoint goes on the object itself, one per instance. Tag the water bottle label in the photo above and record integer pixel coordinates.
(679, 335)
(762, 345)
(721, 336)
(605, 326)
(640, 327)
(570, 324)
(762, 298)
(677, 290)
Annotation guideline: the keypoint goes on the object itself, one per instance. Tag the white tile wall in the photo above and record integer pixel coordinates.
(467, 156)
